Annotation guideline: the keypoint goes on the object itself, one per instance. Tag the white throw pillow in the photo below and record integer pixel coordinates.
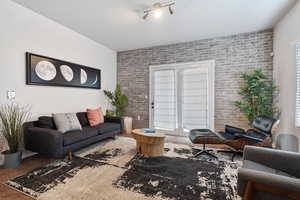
(66, 122)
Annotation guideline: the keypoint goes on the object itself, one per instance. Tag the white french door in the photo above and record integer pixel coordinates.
(182, 97)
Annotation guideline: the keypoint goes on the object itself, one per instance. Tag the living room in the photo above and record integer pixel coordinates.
(150, 99)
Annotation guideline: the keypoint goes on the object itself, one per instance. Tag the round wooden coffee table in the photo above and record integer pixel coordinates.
(149, 144)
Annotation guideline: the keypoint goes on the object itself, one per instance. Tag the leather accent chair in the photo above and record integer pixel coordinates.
(236, 138)
(260, 135)
(271, 173)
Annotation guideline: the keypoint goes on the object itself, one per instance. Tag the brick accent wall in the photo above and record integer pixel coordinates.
(232, 54)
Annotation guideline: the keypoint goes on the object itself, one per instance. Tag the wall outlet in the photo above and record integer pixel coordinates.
(11, 95)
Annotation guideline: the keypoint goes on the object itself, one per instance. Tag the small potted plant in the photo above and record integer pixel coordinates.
(120, 102)
(12, 117)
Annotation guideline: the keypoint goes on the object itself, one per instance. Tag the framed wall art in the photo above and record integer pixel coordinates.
(42, 70)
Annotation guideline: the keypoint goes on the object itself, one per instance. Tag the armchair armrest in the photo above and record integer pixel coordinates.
(112, 119)
(285, 161)
(234, 130)
(277, 181)
(44, 141)
(247, 137)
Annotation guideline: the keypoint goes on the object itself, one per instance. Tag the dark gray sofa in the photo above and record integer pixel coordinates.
(43, 138)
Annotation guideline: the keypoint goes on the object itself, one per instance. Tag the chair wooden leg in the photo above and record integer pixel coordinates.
(70, 156)
(248, 192)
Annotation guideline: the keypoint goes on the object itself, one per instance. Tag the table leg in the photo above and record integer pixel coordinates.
(138, 147)
(70, 156)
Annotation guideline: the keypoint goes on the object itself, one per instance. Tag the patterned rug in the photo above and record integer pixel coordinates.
(111, 170)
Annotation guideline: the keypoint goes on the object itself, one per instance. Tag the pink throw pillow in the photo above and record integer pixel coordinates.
(95, 116)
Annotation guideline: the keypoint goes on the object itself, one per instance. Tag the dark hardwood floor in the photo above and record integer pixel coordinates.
(28, 164)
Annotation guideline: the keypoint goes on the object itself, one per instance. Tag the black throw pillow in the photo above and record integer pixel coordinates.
(46, 122)
(83, 119)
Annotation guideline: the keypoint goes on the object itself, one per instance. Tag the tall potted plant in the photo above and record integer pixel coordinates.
(12, 117)
(120, 102)
(256, 95)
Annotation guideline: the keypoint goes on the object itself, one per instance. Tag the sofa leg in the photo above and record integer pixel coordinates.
(114, 137)
(70, 156)
(248, 192)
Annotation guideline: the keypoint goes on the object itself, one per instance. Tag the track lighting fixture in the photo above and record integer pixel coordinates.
(170, 10)
(156, 9)
(146, 15)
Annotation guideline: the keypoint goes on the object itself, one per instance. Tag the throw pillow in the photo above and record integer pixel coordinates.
(46, 122)
(95, 116)
(83, 119)
(66, 122)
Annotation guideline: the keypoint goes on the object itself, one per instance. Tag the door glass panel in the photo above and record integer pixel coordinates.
(194, 98)
(164, 100)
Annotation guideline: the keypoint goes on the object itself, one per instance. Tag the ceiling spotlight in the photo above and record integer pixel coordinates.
(156, 9)
(157, 13)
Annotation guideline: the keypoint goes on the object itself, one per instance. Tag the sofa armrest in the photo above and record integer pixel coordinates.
(285, 161)
(118, 120)
(277, 181)
(44, 141)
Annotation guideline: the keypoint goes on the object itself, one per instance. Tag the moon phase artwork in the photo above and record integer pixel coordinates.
(42, 70)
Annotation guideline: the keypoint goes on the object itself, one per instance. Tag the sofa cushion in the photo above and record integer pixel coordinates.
(72, 137)
(89, 132)
(66, 122)
(46, 122)
(83, 119)
(107, 127)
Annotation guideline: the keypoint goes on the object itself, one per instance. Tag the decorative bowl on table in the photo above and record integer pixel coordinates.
(148, 130)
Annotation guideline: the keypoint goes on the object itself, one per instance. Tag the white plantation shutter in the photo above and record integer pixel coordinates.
(164, 100)
(183, 97)
(194, 98)
(298, 85)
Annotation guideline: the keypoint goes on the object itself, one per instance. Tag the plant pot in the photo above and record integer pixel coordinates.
(127, 124)
(12, 160)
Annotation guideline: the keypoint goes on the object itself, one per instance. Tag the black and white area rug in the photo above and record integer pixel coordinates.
(111, 170)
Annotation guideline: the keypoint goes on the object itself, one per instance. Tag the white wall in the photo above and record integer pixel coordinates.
(286, 36)
(23, 30)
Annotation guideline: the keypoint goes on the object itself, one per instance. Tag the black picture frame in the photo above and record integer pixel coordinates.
(60, 73)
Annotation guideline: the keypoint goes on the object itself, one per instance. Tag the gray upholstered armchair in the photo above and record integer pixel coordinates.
(270, 173)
